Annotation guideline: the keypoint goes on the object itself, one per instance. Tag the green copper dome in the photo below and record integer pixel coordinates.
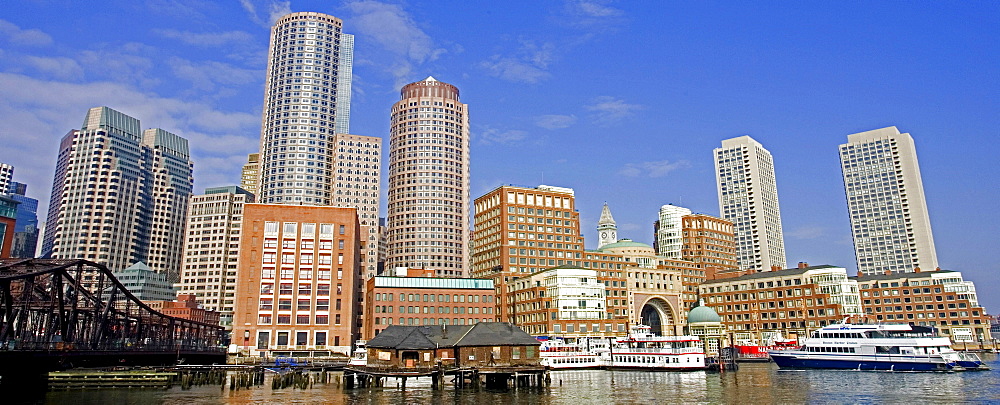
(703, 314)
(625, 243)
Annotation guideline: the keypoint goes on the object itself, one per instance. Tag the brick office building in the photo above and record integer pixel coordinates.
(412, 299)
(791, 302)
(942, 299)
(299, 271)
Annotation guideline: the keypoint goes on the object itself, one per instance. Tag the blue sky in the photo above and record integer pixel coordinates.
(622, 101)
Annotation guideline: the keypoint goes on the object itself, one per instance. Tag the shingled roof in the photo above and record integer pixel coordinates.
(430, 337)
(402, 337)
(496, 334)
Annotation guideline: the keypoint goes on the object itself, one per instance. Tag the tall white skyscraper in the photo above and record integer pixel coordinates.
(885, 198)
(669, 238)
(748, 197)
(120, 195)
(428, 207)
(306, 102)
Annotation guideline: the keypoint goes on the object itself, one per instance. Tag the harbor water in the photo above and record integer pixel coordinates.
(759, 383)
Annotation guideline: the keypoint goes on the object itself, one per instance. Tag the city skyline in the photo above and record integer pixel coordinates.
(799, 90)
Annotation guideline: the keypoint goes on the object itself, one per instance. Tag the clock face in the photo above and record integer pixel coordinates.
(604, 234)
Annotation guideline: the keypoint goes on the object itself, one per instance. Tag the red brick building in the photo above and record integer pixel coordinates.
(186, 307)
(299, 271)
(419, 300)
(942, 299)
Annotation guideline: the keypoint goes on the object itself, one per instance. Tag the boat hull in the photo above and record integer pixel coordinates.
(790, 361)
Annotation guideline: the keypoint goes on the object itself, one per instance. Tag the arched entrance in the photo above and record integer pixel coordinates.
(659, 316)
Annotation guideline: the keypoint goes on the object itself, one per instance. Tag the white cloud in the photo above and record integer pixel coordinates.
(274, 9)
(59, 67)
(653, 169)
(555, 121)
(18, 36)
(37, 113)
(126, 63)
(527, 65)
(592, 14)
(609, 109)
(594, 9)
(206, 75)
(206, 38)
(392, 28)
(807, 232)
(492, 135)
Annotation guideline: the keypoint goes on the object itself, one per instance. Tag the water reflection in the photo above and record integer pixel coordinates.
(753, 383)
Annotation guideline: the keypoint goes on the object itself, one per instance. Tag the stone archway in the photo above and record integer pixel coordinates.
(659, 316)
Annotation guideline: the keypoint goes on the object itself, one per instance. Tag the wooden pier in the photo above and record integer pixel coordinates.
(82, 379)
(472, 377)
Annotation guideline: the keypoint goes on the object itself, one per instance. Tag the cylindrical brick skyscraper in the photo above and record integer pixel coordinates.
(306, 102)
(428, 205)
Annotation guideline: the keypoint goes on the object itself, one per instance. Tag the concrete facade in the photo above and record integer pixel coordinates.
(428, 196)
(309, 63)
(211, 251)
(885, 200)
(748, 197)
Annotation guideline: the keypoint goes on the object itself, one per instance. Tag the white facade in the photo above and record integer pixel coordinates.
(576, 293)
(885, 199)
(748, 197)
(120, 195)
(428, 196)
(841, 289)
(669, 236)
(953, 282)
(305, 105)
(211, 251)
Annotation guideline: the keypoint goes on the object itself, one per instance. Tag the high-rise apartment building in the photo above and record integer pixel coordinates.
(250, 176)
(212, 249)
(305, 104)
(885, 199)
(120, 194)
(357, 173)
(428, 205)
(748, 196)
(668, 231)
(299, 269)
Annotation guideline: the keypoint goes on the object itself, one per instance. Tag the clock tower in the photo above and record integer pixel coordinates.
(606, 228)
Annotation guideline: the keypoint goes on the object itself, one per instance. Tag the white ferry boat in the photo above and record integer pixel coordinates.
(646, 351)
(581, 353)
(892, 347)
(359, 357)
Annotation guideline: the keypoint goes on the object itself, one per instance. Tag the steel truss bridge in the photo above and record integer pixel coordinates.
(57, 313)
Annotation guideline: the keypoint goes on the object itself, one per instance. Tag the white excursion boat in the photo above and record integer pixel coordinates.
(580, 354)
(640, 350)
(892, 347)
(644, 350)
(359, 357)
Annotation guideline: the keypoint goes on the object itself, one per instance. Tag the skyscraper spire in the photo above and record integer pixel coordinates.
(606, 227)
